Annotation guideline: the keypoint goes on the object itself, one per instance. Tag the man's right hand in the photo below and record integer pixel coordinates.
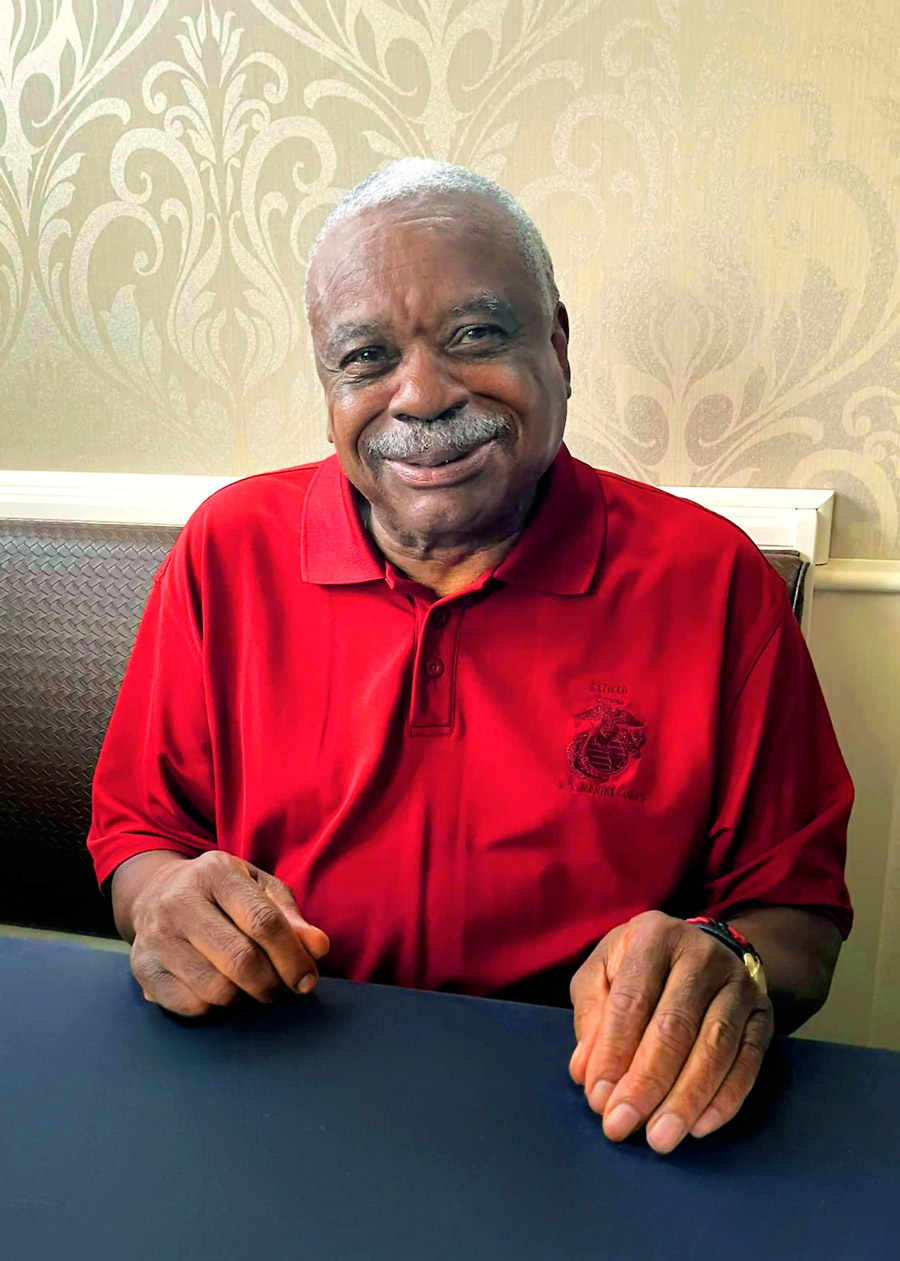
(205, 930)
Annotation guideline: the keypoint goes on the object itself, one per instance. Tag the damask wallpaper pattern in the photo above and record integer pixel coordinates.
(718, 182)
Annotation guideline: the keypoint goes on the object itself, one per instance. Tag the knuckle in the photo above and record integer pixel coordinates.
(264, 920)
(243, 960)
(676, 1029)
(700, 951)
(273, 885)
(213, 859)
(209, 870)
(649, 919)
(758, 1035)
(628, 1000)
(647, 1089)
(221, 992)
(169, 903)
(589, 980)
(721, 1035)
(744, 1070)
(146, 966)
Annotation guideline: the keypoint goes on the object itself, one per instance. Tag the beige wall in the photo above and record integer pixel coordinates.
(718, 181)
(855, 644)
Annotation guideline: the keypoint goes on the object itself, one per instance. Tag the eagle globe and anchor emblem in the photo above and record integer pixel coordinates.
(603, 750)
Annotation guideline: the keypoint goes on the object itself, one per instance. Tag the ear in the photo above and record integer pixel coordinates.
(329, 432)
(559, 339)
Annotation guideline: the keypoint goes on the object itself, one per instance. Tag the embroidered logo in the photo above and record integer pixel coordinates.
(603, 750)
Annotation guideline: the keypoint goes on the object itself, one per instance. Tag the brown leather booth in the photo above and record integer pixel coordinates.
(71, 597)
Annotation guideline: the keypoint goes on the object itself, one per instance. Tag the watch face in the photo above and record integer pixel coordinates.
(754, 967)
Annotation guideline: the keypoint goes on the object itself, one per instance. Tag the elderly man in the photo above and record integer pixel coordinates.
(453, 710)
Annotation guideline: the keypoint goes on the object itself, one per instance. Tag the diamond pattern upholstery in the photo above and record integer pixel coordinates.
(71, 596)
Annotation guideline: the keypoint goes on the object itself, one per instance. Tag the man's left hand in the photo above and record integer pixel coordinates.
(671, 1030)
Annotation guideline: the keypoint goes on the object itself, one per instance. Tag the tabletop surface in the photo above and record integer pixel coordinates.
(374, 1122)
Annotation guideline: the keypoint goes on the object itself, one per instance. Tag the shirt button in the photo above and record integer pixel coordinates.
(440, 617)
(434, 667)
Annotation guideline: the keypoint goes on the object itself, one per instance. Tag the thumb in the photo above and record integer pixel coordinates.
(315, 941)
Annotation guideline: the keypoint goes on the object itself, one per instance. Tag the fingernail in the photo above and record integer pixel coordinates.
(666, 1133)
(306, 984)
(708, 1122)
(600, 1094)
(622, 1121)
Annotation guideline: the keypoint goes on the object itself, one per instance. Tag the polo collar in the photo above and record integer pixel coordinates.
(557, 552)
(560, 548)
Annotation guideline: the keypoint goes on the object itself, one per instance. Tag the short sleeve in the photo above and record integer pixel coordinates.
(778, 831)
(153, 786)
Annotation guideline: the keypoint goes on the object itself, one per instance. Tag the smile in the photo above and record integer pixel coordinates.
(430, 469)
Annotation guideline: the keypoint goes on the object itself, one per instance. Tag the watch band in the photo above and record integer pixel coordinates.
(737, 943)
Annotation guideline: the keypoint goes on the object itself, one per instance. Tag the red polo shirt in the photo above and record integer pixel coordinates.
(468, 792)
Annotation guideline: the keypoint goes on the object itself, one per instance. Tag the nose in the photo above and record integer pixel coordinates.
(425, 389)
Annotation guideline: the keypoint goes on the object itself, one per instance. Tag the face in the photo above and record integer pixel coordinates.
(445, 375)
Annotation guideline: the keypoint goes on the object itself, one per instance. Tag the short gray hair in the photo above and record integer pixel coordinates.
(413, 177)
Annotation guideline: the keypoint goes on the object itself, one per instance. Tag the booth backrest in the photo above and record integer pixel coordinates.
(71, 596)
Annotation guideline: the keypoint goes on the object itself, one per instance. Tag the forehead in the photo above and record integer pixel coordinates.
(413, 263)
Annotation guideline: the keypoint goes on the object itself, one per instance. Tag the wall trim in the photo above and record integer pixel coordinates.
(137, 498)
(772, 517)
(872, 576)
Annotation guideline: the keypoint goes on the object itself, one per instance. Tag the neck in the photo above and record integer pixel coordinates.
(442, 567)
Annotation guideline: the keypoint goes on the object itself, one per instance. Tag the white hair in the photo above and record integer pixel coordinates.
(410, 178)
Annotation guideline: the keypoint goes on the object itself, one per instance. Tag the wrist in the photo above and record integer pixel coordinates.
(734, 940)
(133, 885)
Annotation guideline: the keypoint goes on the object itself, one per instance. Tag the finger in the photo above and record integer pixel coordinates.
(708, 1064)
(743, 1073)
(161, 986)
(634, 992)
(230, 953)
(589, 1003)
(696, 977)
(264, 922)
(315, 941)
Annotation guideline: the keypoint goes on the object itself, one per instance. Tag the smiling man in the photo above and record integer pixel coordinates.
(453, 710)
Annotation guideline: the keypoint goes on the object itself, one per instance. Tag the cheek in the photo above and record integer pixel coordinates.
(348, 418)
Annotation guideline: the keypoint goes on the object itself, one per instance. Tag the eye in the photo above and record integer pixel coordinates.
(478, 334)
(365, 355)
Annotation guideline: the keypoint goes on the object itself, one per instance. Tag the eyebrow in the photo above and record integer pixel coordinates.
(488, 302)
(492, 303)
(348, 332)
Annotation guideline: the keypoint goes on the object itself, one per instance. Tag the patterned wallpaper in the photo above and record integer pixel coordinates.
(718, 181)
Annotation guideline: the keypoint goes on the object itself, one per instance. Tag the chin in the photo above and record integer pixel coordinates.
(449, 516)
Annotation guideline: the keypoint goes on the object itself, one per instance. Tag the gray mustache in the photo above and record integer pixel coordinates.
(456, 433)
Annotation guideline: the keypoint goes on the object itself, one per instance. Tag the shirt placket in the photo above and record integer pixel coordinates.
(434, 671)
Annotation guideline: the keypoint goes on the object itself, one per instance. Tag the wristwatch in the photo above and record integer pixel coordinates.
(737, 943)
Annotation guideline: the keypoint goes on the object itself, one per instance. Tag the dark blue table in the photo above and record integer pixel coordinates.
(370, 1122)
